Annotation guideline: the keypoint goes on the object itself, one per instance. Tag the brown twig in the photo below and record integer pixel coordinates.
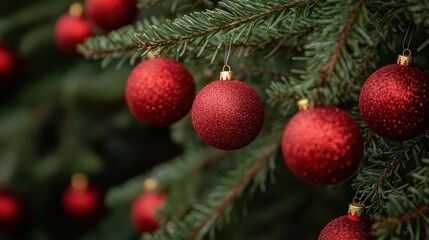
(330, 66)
(234, 193)
(406, 217)
(380, 181)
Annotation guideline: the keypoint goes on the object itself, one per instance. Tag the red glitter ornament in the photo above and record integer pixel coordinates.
(394, 101)
(143, 211)
(323, 145)
(8, 64)
(111, 14)
(80, 201)
(10, 210)
(72, 29)
(228, 114)
(349, 227)
(160, 91)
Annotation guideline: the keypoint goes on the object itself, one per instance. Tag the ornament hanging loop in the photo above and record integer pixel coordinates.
(226, 73)
(406, 59)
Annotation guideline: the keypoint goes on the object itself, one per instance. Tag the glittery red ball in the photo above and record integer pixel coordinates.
(160, 91)
(394, 102)
(111, 14)
(82, 204)
(8, 64)
(323, 145)
(345, 228)
(71, 31)
(228, 114)
(144, 211)
(10, 210)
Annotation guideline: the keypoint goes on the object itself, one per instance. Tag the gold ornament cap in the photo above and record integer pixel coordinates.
(226, 74)
(303, 104)
(356, 208)
(405, 60)
(79, 182)
(76, 10)
(150, 184)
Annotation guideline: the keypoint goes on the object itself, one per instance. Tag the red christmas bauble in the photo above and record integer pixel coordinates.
(347, 228)
(82, 204)
(160, 91)
(111, 14)
(323, 145)
(8, 64)
(70, 31)
(394, 102)
(10, 210)
(143, 211)
(228, 114)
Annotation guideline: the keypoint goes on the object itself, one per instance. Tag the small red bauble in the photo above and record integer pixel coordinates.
(81, 201)
(350, 227)
(10, 210)
(394, 102)
(111, 14)
(323, 145)
(70, 31)
(160, 91)
(143, 211)
(8, 64)
(228, 114)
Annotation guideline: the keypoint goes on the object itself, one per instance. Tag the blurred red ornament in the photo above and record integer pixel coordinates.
(8, 64)
(10, 210)
(143, 211)
(111, 14)
(81, 201)
(228, 114)
(160, 91)
(323, 145)
(394, 101)
(353, 226)
(72, 29)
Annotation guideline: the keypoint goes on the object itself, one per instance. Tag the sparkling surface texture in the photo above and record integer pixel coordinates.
(7, 63)
(71, 31)
(160, 91)
(228, 114)
(143, 211)
(111, 14)
(323, 145)
(344, 228)
(394, 102)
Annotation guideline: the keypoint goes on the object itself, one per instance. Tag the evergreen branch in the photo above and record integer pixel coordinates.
(165, 174)
(386, 172)
(406, 217)
(173, 33)
(104, 52)
(198, 232)
(330, 66)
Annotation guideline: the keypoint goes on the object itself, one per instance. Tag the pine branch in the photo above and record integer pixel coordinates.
(406, 217)
(386, 172)
(200, 231)
(143, 4)
(330, 66)
(204, 25)
(166, 174)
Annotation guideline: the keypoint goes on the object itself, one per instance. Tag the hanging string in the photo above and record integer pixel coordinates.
(227, 52)
(409, 35)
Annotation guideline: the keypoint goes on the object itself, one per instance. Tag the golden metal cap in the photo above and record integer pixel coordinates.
(150, 184)
(79, 182)
(405, 60)
(356, 208)
(303, 104)
(76, 10)
(226, 75)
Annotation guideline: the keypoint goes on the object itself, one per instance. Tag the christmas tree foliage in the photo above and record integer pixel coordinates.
(63, 113)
